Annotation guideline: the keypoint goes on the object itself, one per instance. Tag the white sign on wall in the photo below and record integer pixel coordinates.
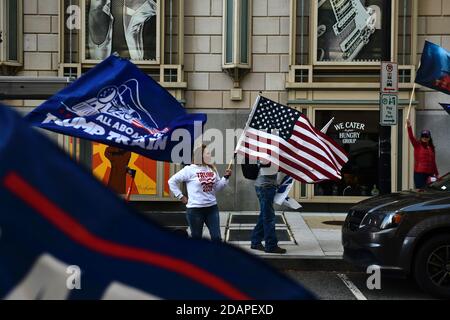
(389, 77)
(388, 109)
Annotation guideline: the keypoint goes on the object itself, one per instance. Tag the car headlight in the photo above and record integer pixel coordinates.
(382, 221)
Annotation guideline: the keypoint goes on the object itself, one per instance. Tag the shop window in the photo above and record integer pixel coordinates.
(109, 166)
(11, 34)
(358, 133)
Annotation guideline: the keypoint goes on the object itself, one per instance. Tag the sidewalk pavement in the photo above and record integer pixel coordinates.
(304, 235)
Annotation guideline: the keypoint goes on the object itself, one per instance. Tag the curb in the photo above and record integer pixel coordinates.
(306, 263)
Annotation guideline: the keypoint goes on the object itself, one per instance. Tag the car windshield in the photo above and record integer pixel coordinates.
(443, 184)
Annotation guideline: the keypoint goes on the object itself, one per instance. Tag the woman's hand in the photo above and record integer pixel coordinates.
(408, 123)
(228, 173)
(184, 200)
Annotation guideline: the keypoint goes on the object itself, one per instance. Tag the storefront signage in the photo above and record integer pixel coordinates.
(349, 132)
(389, 77)
(388, 109)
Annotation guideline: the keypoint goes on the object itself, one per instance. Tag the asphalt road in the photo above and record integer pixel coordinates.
(331, 285)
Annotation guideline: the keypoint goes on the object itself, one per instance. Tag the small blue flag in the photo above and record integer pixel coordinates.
(65, 236)
(434, 71)
(446, 107)
(117, 104)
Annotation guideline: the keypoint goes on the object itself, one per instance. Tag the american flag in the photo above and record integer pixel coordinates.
(286, 138)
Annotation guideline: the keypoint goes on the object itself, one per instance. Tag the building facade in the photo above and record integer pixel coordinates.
(215, 56)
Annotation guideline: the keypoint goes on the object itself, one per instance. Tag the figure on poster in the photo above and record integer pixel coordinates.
(127, 27)
(119, 161)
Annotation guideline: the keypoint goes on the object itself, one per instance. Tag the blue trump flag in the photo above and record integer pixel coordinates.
(446, 107)
(117, 104)
(434, 71)
(65, 236)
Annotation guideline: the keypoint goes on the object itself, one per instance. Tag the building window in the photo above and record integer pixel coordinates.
(236, 30)
(332, 37)
(352, 31)
(156, 46)
(229, 30)
(406, 42)
(149, 32)
(358, 133)
(244, 21)
(11, 31)
(109, 163)
(302, 26)
(130, 28)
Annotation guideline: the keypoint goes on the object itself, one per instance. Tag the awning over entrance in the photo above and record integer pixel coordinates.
(16, 87)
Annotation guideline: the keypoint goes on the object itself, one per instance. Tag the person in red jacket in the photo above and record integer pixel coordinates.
(424, 157)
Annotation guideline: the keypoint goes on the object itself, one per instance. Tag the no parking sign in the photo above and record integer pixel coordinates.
(389, 94)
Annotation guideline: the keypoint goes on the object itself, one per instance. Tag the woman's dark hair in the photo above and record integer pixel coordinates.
(431, 144)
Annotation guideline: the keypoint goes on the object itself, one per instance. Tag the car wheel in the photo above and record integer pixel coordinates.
(432, 266)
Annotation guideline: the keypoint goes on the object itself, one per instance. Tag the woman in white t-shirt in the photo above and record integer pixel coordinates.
(202, 182)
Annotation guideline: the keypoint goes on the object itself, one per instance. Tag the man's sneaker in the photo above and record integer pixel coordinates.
(259, 247)
(276, 249)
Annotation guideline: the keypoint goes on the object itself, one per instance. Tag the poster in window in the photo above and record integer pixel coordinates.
(354, 30)
(127, 27)
(109, 164)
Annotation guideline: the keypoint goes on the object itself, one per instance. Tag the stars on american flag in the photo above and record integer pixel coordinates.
(272, 117)
(277, 133)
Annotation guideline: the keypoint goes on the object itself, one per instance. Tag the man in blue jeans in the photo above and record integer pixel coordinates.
(266, 188)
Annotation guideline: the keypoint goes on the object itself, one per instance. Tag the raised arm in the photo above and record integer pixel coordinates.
(413, 139)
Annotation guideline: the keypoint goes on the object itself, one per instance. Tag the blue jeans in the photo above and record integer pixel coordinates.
(265, 228)
(197, 217)
(420, 179)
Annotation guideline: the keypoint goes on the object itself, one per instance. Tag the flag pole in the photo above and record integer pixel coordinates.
(412, 95)
(241, 138)
(132, 173)
(325, 128)
(410, 101)
(127, 198)
(231, 162)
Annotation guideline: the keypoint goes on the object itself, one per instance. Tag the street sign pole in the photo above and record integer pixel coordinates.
(388, 118)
